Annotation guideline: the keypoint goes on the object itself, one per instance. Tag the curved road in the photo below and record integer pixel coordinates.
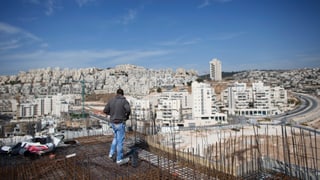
(308, 110)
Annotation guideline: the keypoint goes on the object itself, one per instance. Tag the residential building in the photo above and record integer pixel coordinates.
(59, 105)
(173, 107)
(43, 106)
(169, 112)
(141, 109)
(215, 70)
(257, 100)
(204, 109)
(27, 110)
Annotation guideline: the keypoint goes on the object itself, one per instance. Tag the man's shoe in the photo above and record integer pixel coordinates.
(112, 157)
(123, 161)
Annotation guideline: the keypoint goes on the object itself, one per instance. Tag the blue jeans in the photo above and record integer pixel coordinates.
(118, 139)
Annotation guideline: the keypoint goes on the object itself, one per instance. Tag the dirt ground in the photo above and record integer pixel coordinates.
(315, 124)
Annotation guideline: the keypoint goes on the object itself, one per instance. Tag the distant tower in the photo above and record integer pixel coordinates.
(215, 70)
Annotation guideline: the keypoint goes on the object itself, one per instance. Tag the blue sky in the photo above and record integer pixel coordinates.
(156, 34)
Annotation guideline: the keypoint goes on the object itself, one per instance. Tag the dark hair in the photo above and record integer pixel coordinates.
(120, 91)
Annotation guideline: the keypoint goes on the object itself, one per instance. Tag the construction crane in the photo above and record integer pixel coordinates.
(82, 81)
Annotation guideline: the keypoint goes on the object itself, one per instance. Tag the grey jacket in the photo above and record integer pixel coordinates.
(118, 108)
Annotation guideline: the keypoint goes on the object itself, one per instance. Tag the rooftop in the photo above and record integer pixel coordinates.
(87, 158)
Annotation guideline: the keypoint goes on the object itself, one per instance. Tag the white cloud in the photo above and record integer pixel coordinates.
(13, 37)
(7, 45)
(6, 28)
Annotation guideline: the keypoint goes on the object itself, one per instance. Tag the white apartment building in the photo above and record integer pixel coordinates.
(204, 110)
(169, 112)
(173, 107)
(279, 98)
(257, 100)
(43, 106)
(183, 95)
(27, 110)
(59, 105)
(215, 70)
(261, 96)
(141, 109)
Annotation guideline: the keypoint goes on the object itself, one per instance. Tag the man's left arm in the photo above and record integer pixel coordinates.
(106, 109)
(127, 109)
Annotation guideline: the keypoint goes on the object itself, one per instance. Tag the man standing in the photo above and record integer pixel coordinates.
(119, 110)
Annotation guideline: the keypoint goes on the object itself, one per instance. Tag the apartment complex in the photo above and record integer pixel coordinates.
(44, 106)
(141, 109)
(256, 100)
(181, 108)
(204, 108)
(215, 70)
(173, 107)
(134, 80)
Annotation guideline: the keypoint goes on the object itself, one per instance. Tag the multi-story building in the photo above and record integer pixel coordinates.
(59, 105)
(204, 109)
(215, 70)
(173, 107)
(279, 98)
(141, 109)
(43, 106)
(27, 110)
(257, 100)
(169, 112)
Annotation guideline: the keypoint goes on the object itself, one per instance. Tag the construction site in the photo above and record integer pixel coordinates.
(282, 152)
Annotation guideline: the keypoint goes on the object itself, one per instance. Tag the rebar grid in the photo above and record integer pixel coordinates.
(88, 160)
(290, 153)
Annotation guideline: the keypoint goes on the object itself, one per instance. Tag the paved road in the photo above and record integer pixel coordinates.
(305, 112)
